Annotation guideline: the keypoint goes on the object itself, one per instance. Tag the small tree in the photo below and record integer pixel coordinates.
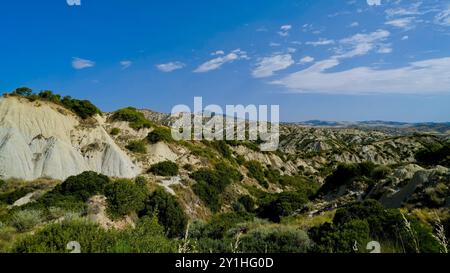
(23, 91)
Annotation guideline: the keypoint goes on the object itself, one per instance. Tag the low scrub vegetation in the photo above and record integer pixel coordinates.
(131, 115)
(165, 168)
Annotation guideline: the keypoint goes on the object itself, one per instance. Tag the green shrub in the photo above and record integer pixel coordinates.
(211, 183)
(147, 237)
(115, 131)
(281, 205)
(14, 195)
(170, 213)
(83, 186)
(279, 239)
(159, 134)
(138, 147)
(341, 239)
(25, 220)
(435, 155)
(166, 168)
(135, 118)
(83, 108)
(23, 91)
(220, 224)
(247, 202)
(124, 197)
(221, 147)
(256, 171)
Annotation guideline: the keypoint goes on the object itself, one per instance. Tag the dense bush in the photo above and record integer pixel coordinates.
(384, 225)
(221, 147)
(124, 197)
(166, 168)
(435, 155)
(256, 171)
(211, 183)
(347, 173)
(170, 213)
(274, 207)
(280, 239)
(12, 196)
(247, 202)
(220, 224)
(83, 108)
(137, 146)
(159, 134)
(83, 186)
(135, 118)
(147, 237)
(23, 91)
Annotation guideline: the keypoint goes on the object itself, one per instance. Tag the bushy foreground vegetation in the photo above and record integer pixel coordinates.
(135, 118)
(83, 108)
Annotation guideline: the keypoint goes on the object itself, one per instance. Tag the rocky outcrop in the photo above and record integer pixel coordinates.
(41, 139)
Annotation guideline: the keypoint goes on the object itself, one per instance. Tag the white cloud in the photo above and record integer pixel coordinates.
(218, 52)
(321, 42)
(126, 64)
(374, 2)
(443, 17)
(171, 66)
(291, 50)
(423, 77)
(404, 11)
(284, 30)
(406, 23)
(354, 24)
(79, 63)
(404, 38)
(268, 65)
(361, 44)
(216, 63)
(306, 59)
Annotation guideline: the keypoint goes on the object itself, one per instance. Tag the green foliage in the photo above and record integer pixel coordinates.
(135, 118)
(25, 220)
(300, 184)
(124, 197)
(347, 173)
(148, 237)
(12, 196)
(137, 146)
(23, 91)
(275, 239)
(159, 134)
(256, 171)
(115, 131)
(219, 224)
(166, 168)
(247, 202)
(384, 225)
(83, 108)
(435, 155)
(341, 239)
(211, 183)
(170, 213)
(276, 206)
(83, 186)
(221, 147)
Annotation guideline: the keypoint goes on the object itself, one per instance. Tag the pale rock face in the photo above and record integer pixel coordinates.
(39, 139)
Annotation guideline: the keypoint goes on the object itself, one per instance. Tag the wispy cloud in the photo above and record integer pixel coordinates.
(218, 62)
(406, 23)
(424, 77)
(361, 44)
(126, 64)
(79, 63)
(267, 66)
(171, 66)
(443, 17)
(284, 30)
(306, 59)
(321, 42)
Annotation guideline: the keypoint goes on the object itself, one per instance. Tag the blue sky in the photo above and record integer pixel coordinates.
(318, 59)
